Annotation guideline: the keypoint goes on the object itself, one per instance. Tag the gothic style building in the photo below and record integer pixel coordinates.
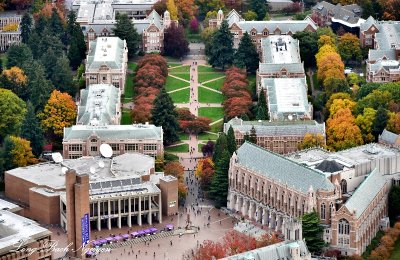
(9, 36)
(348, 189)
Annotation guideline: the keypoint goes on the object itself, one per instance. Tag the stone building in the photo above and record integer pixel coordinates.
(260, 29)
(123, 190)
(389, 138)
(9, 37)
(348, 189)
(278, 136)
(384, 56)
(85, 140)
(106, 62)
(99, 104)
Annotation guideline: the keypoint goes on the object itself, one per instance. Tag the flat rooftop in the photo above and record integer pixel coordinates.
(280, 49)
(51, 175)
(5, 205)
(16, 230)
(102, 189)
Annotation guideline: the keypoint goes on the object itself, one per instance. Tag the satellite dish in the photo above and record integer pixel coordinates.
(106, 150)
(92, 169)
(64, 170)
(57, 157)
(101, 164)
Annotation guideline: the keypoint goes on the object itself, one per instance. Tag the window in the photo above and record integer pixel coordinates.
(149, 147)
(344, 227)
(93, 140)
(74, 156)
(253, 33)
(75, 147)
(115, 147)
(343, 185)
(93, 148)
(265, 33)
(131, 147)
(323, 208)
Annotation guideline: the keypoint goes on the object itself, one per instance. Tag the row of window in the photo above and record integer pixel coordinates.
(115, 147)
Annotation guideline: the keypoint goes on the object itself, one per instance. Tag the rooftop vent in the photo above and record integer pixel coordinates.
(320, 7)
(356, 11)
(346, 18)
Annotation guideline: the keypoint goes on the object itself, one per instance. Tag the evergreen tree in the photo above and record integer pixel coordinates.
(8, 146)
(164, 114)
(74, 31)
(231, 141)
(260, 7)
(312, 232)
(220, 52)
(220, 146)
(74, 55)
(253, 135)
(48, 41)
(219, 182)
(40, 24)
(19, 56)
(394, 203)
(246, 55)
(33, 41)
(62, 77)
(125, 30)
(55, 24)
(32, 131)
(26, 27)
(380, 122)
(49, 60)
(262, 108)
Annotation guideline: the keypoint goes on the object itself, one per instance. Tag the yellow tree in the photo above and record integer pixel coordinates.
(59, 112)
(15, 80)
(21, 152)
(339, 95)
(173, 11)
(341, 103)
(342, 132)
(330, 65)
(394, 122)
(349, 47)
(187, 9)
(326, 40)
(312, 140)
(327, 48)
(365, 122)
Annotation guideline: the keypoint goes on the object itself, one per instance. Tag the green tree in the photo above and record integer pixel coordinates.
(365, 122)
(231, 141)
(12, 111)
(62, 76)
(74, 32)
(246, 55)
(380, 122)
(312, 232)
(26, 27)
(206, 6)
(55, 23)
(308, 43)
(260, 7)
(221, 48)
(164, 114)
(17, 153)
(250, 16)
(32, 131)
(349, 47)
(262, 108)
(253, 135)
(74, 55)
(394, 203)
(219, 182)
(49, 60)
(41, 24)
(125, 30)
(220, 146)
(18, 56)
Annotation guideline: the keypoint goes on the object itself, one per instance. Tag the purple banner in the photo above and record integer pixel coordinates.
(85, 229)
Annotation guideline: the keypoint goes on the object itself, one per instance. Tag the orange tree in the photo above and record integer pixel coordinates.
(205, 171)
(18, 153)
(176, 169)
(15, 80)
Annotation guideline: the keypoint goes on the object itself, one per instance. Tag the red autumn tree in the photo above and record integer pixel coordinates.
(209, 250)
(185, 114)
(237, 106)
(236, 243)
(154, 59)
(150, 75)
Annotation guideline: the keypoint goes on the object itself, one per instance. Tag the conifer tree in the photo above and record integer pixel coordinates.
(380, 122)
(164, 114)
(220, 146)
(18, 56)
(125, 30)
(74, 55)
(231, 141)
(26, 27)
(32, 131)
(246, 55)
(312, 232)
(220, 52)
(260, 7)
(262, 108)
(219, 183)
(55, 23)
(62, 77)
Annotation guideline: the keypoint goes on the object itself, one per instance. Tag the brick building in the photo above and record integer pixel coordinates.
(348, 189)
(278, 136)
(9, 37)
(85, 140)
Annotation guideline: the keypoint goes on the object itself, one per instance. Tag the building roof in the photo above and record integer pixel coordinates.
(389, 137)
(128, 165)
(124, 186)
(5, 205)
(114, 132)
(367, 24)
(264, 68)
(108, 51)
(17, 231)
(99, 105)
(276, 128)
(329, 165)
(273, 252)
(281, 169)
(349, 14)
(280, 49)
(368, 189)
(287, 97)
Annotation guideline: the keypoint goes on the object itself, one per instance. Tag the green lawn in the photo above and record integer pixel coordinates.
(169, 157)
(181, 96)
(208, 96)
(185, 68)
(216, 84)
(183, 136)
(132, 66)
(199, 146)
(126, 117)
(202, 68)
(214, 113)
(182, 148)
(173, 64)
(209, 76)
(396, 251)
(128, 92)
(207, 136)
(182, 75)
(173, 83)
(216, 128)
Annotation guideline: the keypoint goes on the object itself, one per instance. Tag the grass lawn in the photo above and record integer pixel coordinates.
(126, 117)
(128, 92)
(396, 251)
(199, 146)
(169, 157)
(173, 83)
(207, 136)
(181, 96)
(209, 76)
(208, 96)
(202, 68)
(172, 59)
(185, 68)
(132, 66)
(216, 128)
(183, 136)
(182, 75)
(182, 148)
(216, 84)
(214, 113)
(173, 64)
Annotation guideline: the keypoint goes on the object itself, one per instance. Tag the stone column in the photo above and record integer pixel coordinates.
(139, 220)
(109, 214)
(264, 219)
(149, 218)
(119, 213)
(98, 216)
(271, 223)
(129, 213)
(238, 200)
(231, 200)
(251, 210)
(159, 209)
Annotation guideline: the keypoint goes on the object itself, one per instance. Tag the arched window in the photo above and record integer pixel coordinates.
(344, 227)
(93, 140)
(343, 185)
(323, 210)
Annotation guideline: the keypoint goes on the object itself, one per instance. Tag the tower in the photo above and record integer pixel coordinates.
(220, 17)
(312, 203)
(166, 19)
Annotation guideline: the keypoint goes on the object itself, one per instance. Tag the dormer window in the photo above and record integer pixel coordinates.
(253, 33)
